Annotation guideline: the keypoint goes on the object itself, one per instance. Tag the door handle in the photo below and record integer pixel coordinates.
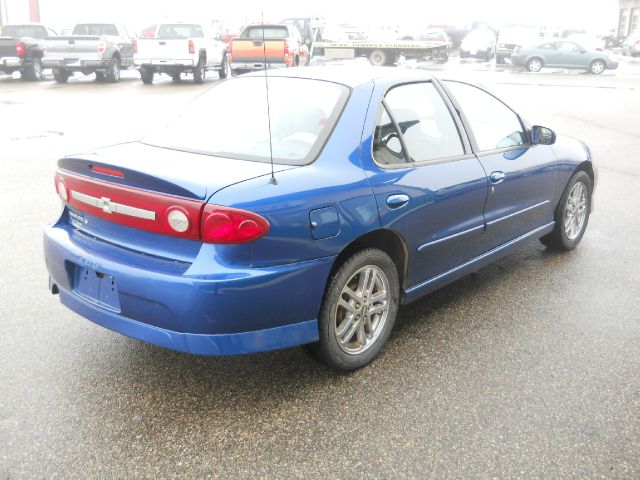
(497, 177)
(397, 201)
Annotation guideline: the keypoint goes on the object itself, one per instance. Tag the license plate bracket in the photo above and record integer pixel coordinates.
(97, 287)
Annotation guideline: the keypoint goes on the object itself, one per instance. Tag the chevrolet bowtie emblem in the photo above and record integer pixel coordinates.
(107, 206)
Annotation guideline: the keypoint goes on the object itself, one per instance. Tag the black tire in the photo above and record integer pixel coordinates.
(61, 76)
(597, 67)
(33, 72)
(535, 64)
(176, 77)
(378, 58)
(147, 74)
(113, 72)
(225, 68)
(100, 77)
(328, 348)
(559, 239)
(200, 71)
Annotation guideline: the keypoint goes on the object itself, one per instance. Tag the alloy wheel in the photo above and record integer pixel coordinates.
(362, 310)
(575, 211)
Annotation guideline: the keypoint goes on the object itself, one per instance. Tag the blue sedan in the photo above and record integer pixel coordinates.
(250, 225)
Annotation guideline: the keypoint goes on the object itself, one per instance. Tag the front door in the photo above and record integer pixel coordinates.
(522, 177)
(428, 185)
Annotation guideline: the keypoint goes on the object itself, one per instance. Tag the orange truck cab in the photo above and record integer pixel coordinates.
(267, 46)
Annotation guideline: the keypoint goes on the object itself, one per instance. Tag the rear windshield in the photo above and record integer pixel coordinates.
(21, 31)
(269, 32)
(230, 120)
(95, 29)
(180, 30)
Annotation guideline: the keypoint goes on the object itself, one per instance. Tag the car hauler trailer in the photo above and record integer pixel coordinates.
(382, 53)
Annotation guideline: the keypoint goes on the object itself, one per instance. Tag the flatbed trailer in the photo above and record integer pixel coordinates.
(381, 53)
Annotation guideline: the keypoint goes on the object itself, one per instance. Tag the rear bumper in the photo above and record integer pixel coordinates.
(77, 63)
(231, 311)
(11, 62)
(164, 62)
(255, 66)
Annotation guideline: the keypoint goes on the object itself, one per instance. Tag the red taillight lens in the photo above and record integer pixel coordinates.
(159, 213)
(286, 49)
(637, 42)
(20, 49)
(101, 47)
(231, 225)
(230, 48)
(134, 44)
(192, 47)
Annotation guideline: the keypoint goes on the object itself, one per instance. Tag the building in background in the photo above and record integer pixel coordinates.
(629, 17)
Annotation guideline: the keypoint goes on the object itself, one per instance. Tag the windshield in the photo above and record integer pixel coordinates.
(180, 30)
(20, 31)
(95, 29)
(230, 120)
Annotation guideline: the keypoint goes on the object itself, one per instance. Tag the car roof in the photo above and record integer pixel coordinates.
(351, 76)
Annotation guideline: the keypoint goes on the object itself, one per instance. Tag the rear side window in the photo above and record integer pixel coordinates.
(269, 32)
(22, 31)
(95, 29)
(387, 147)
(493, 124)
(427, 127)
(174, 31)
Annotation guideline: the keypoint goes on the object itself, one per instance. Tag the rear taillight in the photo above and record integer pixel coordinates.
(286, 49)
(158, 213)
(102, 46)
(20, 49)
(637, 42)
(192, 47)
(134, 44)
(231, 225)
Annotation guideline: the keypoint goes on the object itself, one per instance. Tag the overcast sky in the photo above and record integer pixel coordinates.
(596, 15)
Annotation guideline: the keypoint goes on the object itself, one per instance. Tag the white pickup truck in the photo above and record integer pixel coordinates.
(179, 48)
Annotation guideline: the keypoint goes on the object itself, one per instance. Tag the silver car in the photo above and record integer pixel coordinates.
(563, 54)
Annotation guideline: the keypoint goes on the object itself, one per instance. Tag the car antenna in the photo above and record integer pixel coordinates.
(266, 84)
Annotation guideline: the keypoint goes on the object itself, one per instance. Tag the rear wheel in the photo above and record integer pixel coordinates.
(534, 65)
(377, 58)
(200, 72)
(100, 77)
(34, 71)
(597, 67)
(113, 72)
(61, 76)
(358, 311)
(572, 214)
(147, 74)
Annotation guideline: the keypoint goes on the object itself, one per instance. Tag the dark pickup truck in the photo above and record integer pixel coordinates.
(22, 48)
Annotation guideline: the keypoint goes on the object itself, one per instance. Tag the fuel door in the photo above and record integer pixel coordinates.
(324, 222)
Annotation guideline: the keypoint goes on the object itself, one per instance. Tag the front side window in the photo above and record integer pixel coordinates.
(427, 127)
(494, 125)
(568, 47)
(299, 128)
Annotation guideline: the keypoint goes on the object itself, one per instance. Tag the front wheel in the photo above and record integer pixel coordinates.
(534, 65)
(225, 69)
(597, 67)
(358, 311)
(572, 214)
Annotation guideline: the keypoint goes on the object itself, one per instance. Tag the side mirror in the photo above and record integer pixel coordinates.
(542, 135)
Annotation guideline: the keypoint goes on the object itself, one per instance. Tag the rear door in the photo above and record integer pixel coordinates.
(522, 177)
(428, 185)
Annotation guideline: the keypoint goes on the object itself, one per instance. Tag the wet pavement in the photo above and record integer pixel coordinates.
(527, 368)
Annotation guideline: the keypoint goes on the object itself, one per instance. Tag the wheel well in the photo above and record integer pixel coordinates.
(203, 54)
(536, 58)
(116, 55)
(386, 240)
(587, 167)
